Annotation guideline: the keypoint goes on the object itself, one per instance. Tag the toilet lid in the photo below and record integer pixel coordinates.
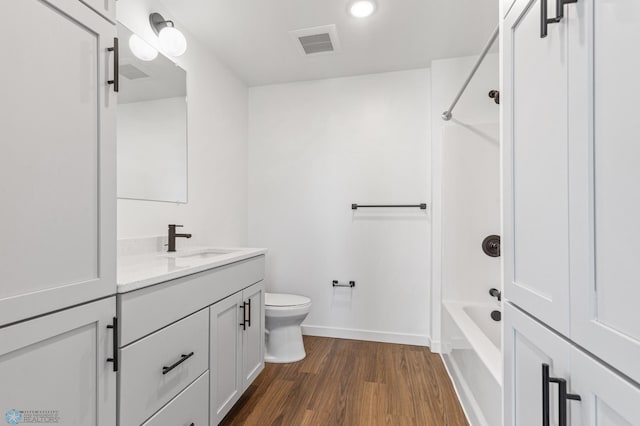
(279, 299)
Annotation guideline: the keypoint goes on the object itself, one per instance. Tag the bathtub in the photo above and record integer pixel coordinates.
(473, 357)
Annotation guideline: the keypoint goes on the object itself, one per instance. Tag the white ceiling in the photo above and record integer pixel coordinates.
(252, 36)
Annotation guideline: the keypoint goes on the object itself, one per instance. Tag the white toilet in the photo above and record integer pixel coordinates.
(284, 314)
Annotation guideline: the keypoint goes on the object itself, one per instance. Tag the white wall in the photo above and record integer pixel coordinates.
(316, 147)
(473, 116)
(217, 126)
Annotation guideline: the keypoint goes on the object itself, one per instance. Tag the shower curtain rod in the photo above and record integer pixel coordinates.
(446, 116)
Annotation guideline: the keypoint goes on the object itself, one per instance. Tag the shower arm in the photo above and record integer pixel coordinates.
(446, 116)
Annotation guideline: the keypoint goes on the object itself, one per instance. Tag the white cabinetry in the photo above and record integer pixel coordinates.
(58, 157)
(535, 178)
(571, 234)
(58, 365)
(605, 397)
(106, 8)
(605, 155)
(236, 347)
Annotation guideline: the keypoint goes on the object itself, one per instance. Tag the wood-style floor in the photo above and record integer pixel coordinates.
(348, 382)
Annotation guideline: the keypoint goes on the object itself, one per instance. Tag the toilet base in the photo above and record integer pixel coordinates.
(284, 345)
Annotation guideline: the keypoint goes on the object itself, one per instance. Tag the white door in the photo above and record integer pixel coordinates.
(54, 369)
(606, 398)
(528, 345)
(253, 336)
(605, 158)
(536, 229)
(57, 166)
(225, 351)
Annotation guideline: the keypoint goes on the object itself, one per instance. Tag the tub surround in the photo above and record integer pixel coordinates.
(141, 263)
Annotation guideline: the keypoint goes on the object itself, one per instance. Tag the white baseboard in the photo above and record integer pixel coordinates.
(368, 335)
(436, 346)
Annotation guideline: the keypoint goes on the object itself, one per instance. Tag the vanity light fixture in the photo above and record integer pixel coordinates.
(171, 39)
(362, 8)
(142, 49)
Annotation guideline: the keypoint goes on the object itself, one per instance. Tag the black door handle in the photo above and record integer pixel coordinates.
(244, 315)
(116, 65)
(249, 313)
(563, 397)
(114, 360)
(182, 359)
(544, 20)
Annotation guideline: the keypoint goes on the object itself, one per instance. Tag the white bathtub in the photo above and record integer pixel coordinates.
(474, 359)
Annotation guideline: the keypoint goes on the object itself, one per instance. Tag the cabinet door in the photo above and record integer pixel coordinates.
(56, 366)
(535, 165)
(527, 346)
(607, 398)
(57, 166)
(226, 355)
(605, 152)
(253, 336)
(106, 8)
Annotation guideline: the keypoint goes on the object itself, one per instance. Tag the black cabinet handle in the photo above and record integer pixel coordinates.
(244, 315)
(563, 397)
(182, 359)
(114, 360)
(116, 65)
(249, 313)
(544, 20)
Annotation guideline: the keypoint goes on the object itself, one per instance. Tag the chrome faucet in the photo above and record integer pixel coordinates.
(173, 236)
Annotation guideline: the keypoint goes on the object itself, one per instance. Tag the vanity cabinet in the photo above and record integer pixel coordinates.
(236, 347)
(57, 366)
(571, 237)
(196, 341)
(58, 157)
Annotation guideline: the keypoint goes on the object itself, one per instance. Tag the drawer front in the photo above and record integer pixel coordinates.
(178, 298)
(156, 368)
(190, 407)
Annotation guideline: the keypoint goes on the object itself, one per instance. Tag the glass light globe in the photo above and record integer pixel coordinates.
(362, 9)
(172, 41)
(142, 49)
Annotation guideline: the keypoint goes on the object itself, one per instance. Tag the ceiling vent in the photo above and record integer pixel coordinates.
(316, 40)
(131, 72)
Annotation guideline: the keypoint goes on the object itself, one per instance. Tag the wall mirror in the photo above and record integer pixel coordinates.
(152, 123)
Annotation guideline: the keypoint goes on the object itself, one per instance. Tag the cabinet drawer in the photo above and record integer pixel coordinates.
(178, 298)
(156, 368)
(190, 407)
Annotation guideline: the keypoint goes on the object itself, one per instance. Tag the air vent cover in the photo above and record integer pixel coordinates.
(316, 40)
(131, 72)
(316, 43)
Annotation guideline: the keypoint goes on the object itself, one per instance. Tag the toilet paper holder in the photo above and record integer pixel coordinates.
(351, 284)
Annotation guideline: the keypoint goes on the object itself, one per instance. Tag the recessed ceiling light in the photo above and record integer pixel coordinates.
(362, 8)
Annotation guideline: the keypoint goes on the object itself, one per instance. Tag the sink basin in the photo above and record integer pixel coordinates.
(206, 253)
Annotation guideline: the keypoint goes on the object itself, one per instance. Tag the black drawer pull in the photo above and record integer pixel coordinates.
(114, 360)
(182, 359)
(249, 309)
(116, 65)
(563, 397)
(244, 315)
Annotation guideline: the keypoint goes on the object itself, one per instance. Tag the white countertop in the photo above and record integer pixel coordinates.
(136, 271)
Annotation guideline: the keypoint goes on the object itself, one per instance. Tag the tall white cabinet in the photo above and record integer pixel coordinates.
(57, 166)
(58, 256)
(571, 236)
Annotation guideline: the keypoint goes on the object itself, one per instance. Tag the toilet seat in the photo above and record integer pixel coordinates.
(284, 301)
